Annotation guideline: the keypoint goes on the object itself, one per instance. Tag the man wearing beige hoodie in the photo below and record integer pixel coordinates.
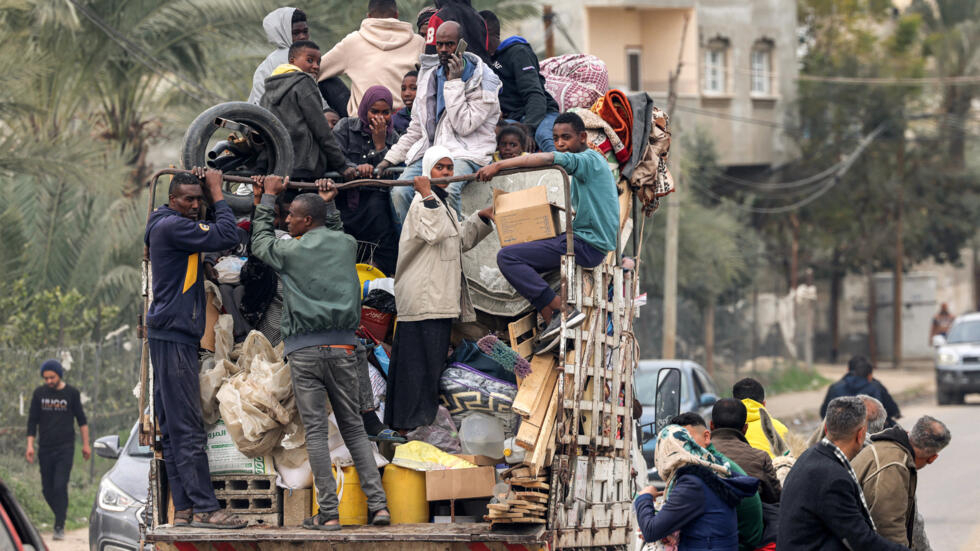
(380, 52)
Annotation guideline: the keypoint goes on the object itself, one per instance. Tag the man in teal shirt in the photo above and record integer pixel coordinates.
(595, 202)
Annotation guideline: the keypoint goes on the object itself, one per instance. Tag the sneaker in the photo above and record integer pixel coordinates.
(545, 346)
(59, 533)
(574, 319)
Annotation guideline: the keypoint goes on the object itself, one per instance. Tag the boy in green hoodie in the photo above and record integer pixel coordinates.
(292, 95)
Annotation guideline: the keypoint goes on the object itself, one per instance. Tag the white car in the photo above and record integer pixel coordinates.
(958, 360)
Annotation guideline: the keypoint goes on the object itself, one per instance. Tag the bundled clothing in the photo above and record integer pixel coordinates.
(472, 27)
(595, 201)
(293, 97)
(175, 323)
(430, 293)
(523, 97)
(823, 507)
(852, 385)
(380, 52)
(888, 477)
(754, 462)
(321, 312)
(460, 115)
(366, 211)
(701, 496)
(755, 435)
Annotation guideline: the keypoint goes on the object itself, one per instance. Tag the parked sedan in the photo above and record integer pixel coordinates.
(16, 531)
(118, 509)
(958, 360)
(698, 393)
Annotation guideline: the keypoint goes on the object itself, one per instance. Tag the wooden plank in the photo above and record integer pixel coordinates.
(528, 506)
(502, 507)
(527, 434)
(546, 436)
(538, 497)
(542, 368)
(517, 471)
(535, 485)
(524, 327)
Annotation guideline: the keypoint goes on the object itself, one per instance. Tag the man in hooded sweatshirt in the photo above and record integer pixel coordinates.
(292, 96)
(379, 53)
(859, 380)
(457, 107)
(753, 395)
(176, 236)
(523, 97)
(283, 26)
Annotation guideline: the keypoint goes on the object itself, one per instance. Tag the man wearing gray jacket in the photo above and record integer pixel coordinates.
(457, 107)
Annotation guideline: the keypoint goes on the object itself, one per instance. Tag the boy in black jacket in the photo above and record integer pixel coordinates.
(292, 95)
(523, 97)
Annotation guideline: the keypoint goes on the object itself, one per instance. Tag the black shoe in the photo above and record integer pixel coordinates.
(545, 346)
(574, 319)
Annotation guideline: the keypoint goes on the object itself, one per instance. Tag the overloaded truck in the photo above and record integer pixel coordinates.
(573, 412)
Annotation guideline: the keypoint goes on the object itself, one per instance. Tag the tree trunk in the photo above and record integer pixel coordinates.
(898, 301)
(957, 101)
(708, 315)
(836, 282)
(872, 306)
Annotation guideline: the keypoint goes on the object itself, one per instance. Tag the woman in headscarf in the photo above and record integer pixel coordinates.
(701, 496)
(430, 293)
(366, 211)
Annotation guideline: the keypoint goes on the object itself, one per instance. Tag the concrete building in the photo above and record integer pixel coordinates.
(737, 78)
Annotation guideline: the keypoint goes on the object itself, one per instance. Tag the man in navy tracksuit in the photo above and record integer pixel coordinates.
(176, 238)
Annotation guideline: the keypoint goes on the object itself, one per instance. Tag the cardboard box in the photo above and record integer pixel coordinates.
(523, 216)
(296, 506)
(460, 483)
(479, 460)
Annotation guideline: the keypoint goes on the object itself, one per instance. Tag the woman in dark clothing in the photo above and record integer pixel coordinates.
(701, 496)
(366, 211)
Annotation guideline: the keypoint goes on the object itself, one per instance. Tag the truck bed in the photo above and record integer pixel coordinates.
(402, 533)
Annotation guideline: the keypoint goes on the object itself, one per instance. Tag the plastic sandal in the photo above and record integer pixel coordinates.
(380, 518)
(183, 518)
(388, 435)
(319, 522)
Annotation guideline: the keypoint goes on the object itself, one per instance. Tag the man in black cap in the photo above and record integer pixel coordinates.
(54, 406)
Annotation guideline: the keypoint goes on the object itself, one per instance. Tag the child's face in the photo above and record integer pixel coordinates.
(509, 146)
(567, 139)
(409, 89)
(332, 118)
(308, 61)
(380, 109)
(442, 169)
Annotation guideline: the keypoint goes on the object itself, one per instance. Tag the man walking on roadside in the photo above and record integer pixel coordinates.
(176, 236)
(54, 408)
(321, 312)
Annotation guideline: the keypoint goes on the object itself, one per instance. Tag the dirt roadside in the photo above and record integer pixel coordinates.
(75, 540)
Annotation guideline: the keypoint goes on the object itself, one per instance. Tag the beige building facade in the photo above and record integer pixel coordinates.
(738, 63)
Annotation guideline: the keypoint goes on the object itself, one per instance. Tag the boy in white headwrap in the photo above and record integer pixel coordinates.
(430, 293)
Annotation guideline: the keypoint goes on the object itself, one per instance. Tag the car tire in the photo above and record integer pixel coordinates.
(274, 134)
(944, 397)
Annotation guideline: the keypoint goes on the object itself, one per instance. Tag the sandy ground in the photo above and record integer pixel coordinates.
(76, 540)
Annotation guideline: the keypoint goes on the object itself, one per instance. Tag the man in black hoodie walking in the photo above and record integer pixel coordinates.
(523, 97)
(859, 380)
(292, 96)
(176, 236)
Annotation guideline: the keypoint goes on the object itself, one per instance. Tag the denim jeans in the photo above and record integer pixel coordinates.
(401, 197)
(544, 134)
(325, 376)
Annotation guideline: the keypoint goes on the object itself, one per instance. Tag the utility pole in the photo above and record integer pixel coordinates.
(668, 349)
(899, 258)
(549, 30)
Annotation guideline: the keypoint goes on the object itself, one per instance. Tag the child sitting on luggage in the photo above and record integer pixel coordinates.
(510, 143)
(430, 293)
(595, 202)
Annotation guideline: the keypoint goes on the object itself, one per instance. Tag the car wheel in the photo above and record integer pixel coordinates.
(275, 137)
(944, 397)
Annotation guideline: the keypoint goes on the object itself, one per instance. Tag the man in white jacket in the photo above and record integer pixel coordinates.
(283, 26)
(379, 53)
(457, 107)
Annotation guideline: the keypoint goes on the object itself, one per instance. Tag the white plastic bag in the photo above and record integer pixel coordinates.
(229, 269)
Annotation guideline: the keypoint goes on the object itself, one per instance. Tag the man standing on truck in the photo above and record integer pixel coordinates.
(177, 236)
(54, 408)
(321, 312)
(595, 202)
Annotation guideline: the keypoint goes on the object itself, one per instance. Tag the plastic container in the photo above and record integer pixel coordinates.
(353, 507)
(482, 434)
(513, 453)
(405, 490)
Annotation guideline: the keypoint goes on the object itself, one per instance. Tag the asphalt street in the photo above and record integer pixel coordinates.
(949, 489)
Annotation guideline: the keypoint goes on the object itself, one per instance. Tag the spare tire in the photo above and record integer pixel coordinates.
(275, 137)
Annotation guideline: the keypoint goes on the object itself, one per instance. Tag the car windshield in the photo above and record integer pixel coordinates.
(133, 448)
(645, 386)
(964, 332)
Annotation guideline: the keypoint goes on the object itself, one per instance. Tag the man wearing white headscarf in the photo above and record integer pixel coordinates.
(283, 26)
(430, 293)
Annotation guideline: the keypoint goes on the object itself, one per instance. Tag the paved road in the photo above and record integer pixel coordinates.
(949, 489)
